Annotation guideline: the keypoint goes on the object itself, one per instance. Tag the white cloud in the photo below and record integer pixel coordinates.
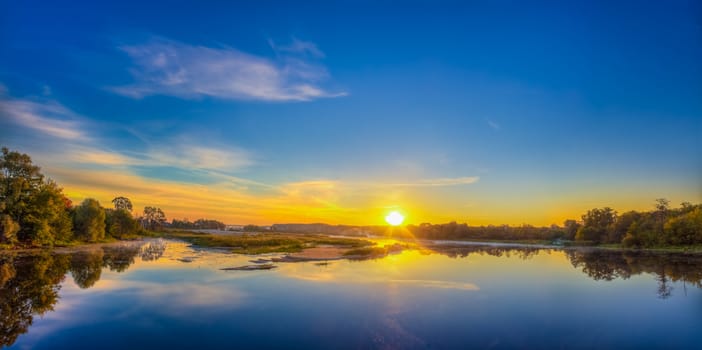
(493, 124)
(189, 156)
(167, 67)
(47, 117)
(56, 127)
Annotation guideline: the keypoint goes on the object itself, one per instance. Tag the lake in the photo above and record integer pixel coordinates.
(167, 294)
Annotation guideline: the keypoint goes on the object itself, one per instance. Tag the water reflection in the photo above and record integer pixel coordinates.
(667, 268)
(463, 251)
(30, 284)
(152, 250)
(604, 264)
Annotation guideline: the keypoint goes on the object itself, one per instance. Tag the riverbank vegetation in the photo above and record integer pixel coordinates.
(264, 242)
(34, 212)
(662, 227)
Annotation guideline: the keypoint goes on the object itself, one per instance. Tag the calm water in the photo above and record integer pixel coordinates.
(166, 294)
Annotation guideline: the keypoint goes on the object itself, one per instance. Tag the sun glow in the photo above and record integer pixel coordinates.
(394, 218)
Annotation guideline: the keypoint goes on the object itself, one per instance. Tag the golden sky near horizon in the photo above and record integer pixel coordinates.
(338, 202)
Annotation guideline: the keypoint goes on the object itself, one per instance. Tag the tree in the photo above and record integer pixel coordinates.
(571, 228)
(8, 229)
(596, 225)
(622, 225)
(31, 210)
(19, 180)
(685, 229)
(252, 228)
(154, 218)
(122, 203)
(662, 204)
(90, 221)
(47, 220)
(120, 223)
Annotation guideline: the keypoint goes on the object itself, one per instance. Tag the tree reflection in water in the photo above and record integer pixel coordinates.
(153, 250)
(29, 286)
(30, 283)
(605, 265)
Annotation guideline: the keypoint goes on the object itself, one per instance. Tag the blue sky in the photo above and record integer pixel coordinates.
(486, 112)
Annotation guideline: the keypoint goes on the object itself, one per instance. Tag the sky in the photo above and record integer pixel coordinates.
(485, 112)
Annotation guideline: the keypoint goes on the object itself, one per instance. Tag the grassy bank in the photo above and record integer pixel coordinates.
(264, 242)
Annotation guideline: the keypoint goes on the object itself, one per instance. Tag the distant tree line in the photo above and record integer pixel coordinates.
(199, 224)
(456, 231)
(35, 212)
(663, 226)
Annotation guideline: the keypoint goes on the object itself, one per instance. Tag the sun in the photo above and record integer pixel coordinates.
(394, 218)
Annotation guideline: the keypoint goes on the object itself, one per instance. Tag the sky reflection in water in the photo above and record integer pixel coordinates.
(169, 295)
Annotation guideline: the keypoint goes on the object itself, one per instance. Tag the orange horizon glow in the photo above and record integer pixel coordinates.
(328, 202)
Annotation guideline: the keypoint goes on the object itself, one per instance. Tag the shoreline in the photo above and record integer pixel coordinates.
(73, 248)
(322, 253)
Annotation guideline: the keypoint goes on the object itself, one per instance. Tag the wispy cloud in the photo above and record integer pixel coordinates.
(187, 175)
(46, 116)
(193, 156)
(167, 67)
(44, 126)
(185, 156)
(298, 47)
(445, 181)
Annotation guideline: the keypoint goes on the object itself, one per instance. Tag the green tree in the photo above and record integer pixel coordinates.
(19, 181)
(571, 228)
(596, 225)
(90, 221)
(622, 225)
(8, 229)
(120, 223)
(154, 218)
(685, 229)
(47, 219)
(646, 231)
(662, 204)
(122, 203)
(31, 210)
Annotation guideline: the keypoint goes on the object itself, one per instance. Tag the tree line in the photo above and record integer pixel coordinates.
(199, 224)
(662, 226)
(35, 212)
